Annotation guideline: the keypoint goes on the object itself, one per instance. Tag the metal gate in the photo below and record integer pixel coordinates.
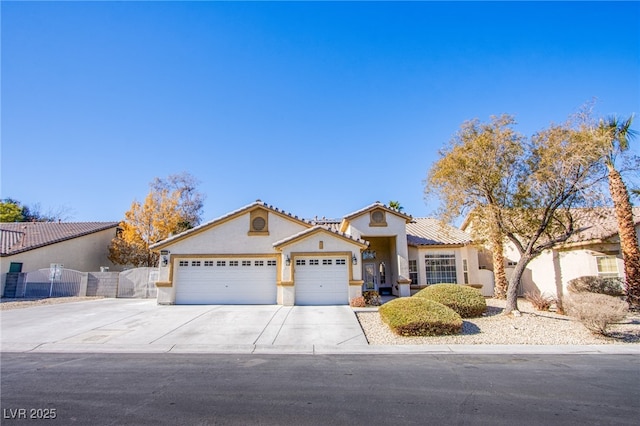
(138, 283)
(42, 283)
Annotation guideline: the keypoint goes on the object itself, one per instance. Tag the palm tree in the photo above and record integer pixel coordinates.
(396, 205)
(618, 133)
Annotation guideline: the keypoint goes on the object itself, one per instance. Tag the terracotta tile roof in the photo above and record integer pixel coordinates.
(425, 231)
(598, 224)
(18, 237)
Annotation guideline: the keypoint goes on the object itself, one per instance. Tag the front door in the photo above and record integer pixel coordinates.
(370, 277)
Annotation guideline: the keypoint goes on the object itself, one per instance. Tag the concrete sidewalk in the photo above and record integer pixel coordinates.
(142, 326)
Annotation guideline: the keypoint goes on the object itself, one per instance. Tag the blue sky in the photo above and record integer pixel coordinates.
(316, 108)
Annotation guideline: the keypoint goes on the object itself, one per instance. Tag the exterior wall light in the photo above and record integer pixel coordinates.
(165, 257)
(288, 261)
(354, 260)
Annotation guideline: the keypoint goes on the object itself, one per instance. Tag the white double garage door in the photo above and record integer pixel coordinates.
(318, 280)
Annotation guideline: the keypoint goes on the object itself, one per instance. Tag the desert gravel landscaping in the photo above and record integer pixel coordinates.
(531, 328)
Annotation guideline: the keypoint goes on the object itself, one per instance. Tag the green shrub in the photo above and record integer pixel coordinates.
(596, 311)
(372, 298)
(599, 285)
(411, 316)
(466, 301)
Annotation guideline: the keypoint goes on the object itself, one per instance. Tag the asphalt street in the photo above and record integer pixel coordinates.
(207, 389)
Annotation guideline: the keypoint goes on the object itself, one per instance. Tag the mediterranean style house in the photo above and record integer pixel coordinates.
(260, 254)
(594, 250)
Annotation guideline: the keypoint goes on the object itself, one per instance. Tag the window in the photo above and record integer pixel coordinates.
(440, 268)
(314, 262)
(196, 263)
(326, 261)
(246, 263)
(208, 263)
(271, 263)
(413, 271)
(233, 263)
(341, 262)
(607, 266)
(183, 263)
(258, 263)
(300, 262)
(465, 270)
(221, 263)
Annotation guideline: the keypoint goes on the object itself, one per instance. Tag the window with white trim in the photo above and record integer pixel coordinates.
(413, 271)
(300, 262)
(221, 263)
(607, 266)
(208, 263)
(196, 263)
(314, 262)
(327, 262)
(271, 263)
(233, 263)
(258, 263)
(183, 263)
(246, 263)
(440, 268)
(341, 262)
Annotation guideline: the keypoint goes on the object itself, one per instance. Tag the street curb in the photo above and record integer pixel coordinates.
(629, 349)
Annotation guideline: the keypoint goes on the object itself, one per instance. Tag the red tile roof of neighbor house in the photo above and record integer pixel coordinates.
(18, 237)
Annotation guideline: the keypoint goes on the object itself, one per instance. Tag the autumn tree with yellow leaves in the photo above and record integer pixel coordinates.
(163, 213)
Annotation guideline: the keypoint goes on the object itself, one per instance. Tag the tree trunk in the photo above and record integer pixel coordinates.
(514, 283)
(500, 277)
(628, 237)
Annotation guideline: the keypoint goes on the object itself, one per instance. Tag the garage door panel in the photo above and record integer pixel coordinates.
(226, 281)
(321, 281)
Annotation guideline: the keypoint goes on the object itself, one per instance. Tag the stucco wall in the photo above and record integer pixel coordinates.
(231, 237)
(87, 253)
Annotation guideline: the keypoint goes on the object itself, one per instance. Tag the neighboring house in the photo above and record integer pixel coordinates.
(260, 254)
(29, 246)
(594, 250)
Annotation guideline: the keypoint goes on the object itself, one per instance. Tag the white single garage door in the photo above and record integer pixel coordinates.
(321, 280)
(225, 281)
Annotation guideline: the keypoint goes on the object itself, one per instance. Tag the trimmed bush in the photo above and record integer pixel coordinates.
(591, 284)
(416, 316)
(466, 301)
(357, 302)
(372, 298)
(596, 311)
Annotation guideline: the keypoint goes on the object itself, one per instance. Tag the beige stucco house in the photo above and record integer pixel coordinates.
(594, 251)
(260, 254)
(29, 246)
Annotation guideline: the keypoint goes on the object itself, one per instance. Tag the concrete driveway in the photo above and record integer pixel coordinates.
(133, 325)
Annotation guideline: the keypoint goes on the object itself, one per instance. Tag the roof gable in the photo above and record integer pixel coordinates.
(257, 205)
(371, 207)
(319, 229)
(19, 237)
